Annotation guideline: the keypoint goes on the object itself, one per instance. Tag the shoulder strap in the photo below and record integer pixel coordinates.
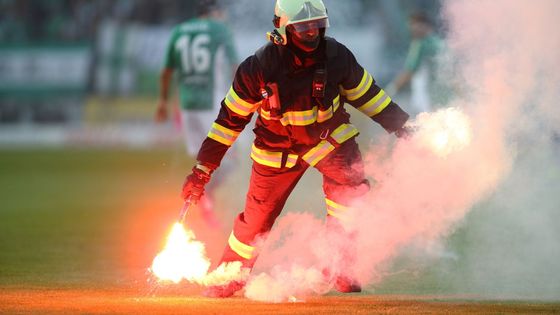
(332, 47)
(260, 53)
(268, 64)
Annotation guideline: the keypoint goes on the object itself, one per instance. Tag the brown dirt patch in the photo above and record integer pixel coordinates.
(125, 301)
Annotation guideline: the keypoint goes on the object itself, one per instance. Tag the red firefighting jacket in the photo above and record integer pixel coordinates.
(308, 127)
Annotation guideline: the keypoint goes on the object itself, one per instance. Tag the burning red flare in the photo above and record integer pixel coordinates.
(182, 258)
(444, 131)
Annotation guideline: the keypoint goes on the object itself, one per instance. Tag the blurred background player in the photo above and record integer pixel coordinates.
(202, 55)
(420, 65)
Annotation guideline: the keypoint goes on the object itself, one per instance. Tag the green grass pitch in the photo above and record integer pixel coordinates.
(78, 228)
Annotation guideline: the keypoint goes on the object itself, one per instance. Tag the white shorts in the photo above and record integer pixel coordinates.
(195, 125)
(420, 91)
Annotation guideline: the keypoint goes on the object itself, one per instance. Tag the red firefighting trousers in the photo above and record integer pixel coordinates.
(269, 188)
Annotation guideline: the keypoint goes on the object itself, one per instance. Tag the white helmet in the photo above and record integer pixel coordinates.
(300, 14)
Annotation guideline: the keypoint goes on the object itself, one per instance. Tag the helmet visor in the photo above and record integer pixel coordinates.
(307, 25)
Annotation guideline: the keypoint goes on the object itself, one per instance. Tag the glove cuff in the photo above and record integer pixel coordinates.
(202, 172)
(204, 168)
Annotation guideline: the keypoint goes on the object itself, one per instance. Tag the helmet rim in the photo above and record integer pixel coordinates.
(290, 12)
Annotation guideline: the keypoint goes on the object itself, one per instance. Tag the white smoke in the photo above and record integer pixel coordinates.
(507, 60)
(509, 244)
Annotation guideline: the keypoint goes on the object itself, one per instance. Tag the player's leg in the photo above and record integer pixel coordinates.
(196, 124)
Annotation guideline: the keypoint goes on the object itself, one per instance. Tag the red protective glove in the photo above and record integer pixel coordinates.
(193, 187)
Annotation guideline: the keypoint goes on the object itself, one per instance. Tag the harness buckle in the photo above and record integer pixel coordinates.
(324, 134)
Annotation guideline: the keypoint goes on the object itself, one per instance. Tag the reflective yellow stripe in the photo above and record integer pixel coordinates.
(265, 114)
(324, 115)
(238, 105)
(291, 161)
(272, 159)
(361, 89)
(336, 103)
(312, 157)
(344, 132)
(306, 117)
(376, 104)
(320, 151)
(241, 249)
(299, 118)
(222, 134)
(268, 158)
(336, 210)
(316, 154)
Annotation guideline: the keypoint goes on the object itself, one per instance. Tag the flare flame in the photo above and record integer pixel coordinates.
(182, 258)
(444, 131)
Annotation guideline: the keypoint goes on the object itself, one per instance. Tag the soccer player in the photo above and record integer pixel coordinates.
(200, 53)
(420, 65)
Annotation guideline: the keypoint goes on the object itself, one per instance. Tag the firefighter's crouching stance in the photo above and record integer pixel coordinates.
(298, 85)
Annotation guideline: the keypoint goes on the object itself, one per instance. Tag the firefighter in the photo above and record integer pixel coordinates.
(298, 85)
